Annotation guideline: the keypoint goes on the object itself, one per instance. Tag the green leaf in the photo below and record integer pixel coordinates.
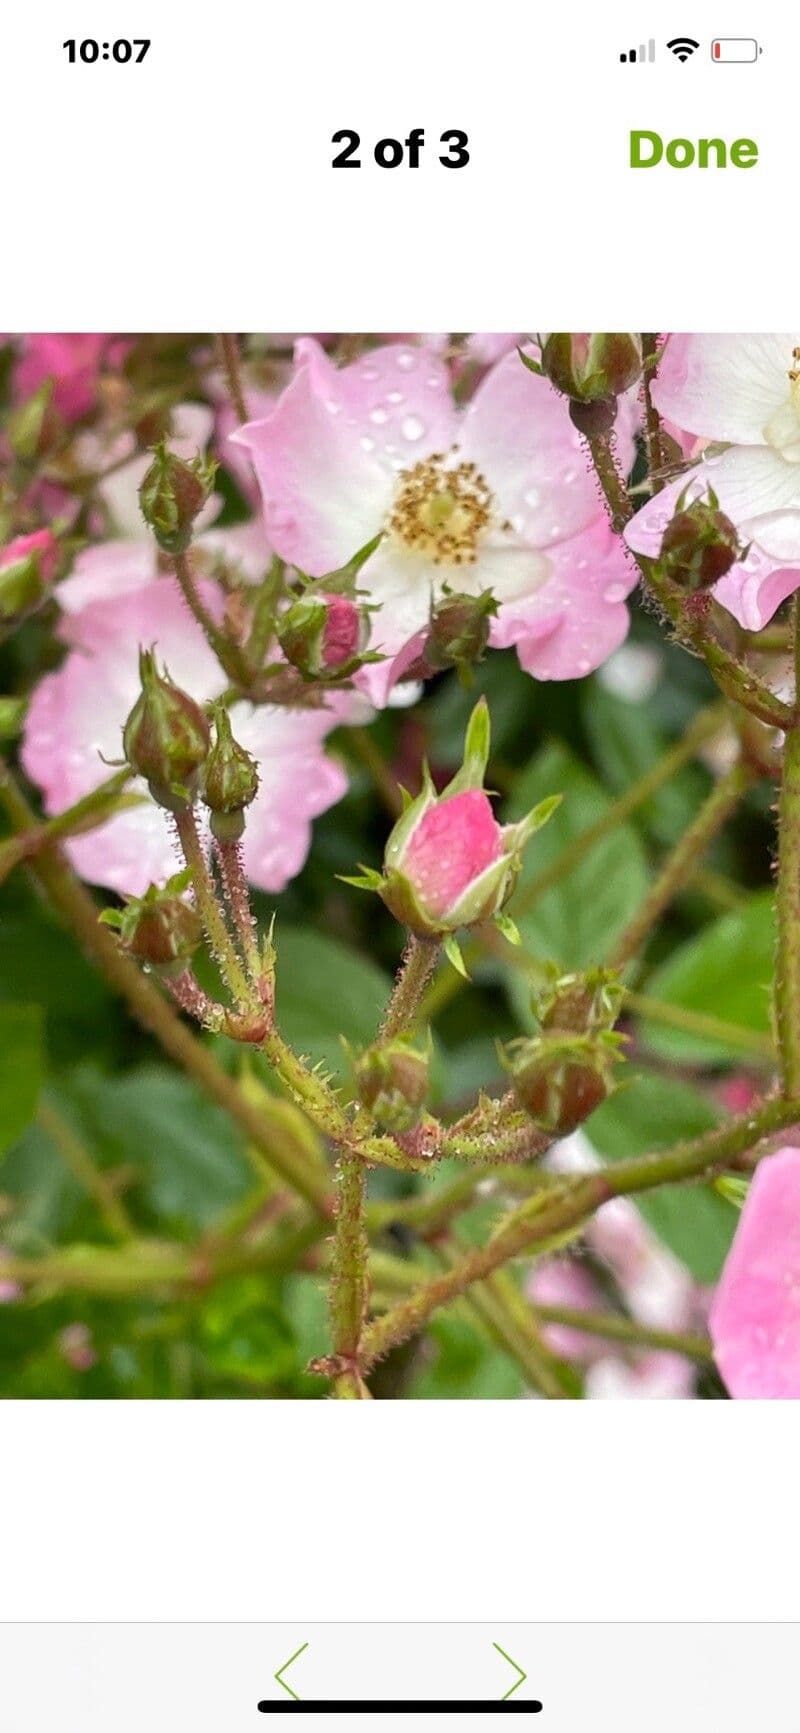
(21, 1069)
(324, 992)
(626, 742)
(452, 951)
(725, 972)
(576, 921)
(652, 1113)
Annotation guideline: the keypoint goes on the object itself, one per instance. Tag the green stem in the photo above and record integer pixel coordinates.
(752, 1043)
(613, 1327)
(210, 912)
(78, 911)
(77, 1159)
(681, 862)
(228, 351)
(349, 1289)
(237, 895)
(229, 654)
(419, 961)
(563, 1210)
(652, 419)
(86, 814)
(362, 743)
(615, 493)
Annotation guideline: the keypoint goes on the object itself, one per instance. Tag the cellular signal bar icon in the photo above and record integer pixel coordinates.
(645, 51)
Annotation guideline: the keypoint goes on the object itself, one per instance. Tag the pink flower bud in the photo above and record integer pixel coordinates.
(453, 844)
(324, 634)
(27, 567)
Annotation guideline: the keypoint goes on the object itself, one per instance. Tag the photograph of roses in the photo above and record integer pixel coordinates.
(400, 866)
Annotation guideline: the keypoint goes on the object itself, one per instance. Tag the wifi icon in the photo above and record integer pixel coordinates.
(682, 47)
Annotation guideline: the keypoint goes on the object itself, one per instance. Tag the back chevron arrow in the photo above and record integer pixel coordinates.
(517, 1669)
(279, 1679)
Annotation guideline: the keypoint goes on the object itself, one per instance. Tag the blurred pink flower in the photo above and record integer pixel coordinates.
(743, 390)
(77, 713)
(658, 1293)
(42, 543)
(755, 1314)
(72, 360)
(498, 495)
(754, 587)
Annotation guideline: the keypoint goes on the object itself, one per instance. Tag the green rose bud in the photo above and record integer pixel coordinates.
(166, 737)
(560, 1077)
(230, 781)
(459, 630)
(160, 929)
(172, 495)
(592, 367)
(700, 544)
(392, 1082)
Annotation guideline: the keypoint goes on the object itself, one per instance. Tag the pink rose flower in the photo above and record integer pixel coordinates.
(77, 714)
(754, 588)
(743, 390)
(72, 360)
(755, 1314)
(497, 496)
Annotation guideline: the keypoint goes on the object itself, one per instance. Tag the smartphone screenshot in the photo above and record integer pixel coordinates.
(399, 867)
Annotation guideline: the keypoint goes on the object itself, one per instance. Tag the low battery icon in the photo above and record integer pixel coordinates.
(735, 50)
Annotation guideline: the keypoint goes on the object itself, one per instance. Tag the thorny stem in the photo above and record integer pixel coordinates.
(78, 911)
(231, 866)
(561, 1212)
(419, 961)
(615, 493)
(652, 419)
(681, 862)
(228, 351)
(229, 654)
(210, 912)
(349, 1290)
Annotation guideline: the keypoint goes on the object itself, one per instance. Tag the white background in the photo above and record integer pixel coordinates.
(194, 192)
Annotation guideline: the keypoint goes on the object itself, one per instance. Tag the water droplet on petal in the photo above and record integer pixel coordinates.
(367, 444)
(379, 416)
(412, 427)
(615, 593)
(406, 359)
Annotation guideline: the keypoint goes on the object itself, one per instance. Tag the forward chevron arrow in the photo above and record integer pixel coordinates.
(520, 1680)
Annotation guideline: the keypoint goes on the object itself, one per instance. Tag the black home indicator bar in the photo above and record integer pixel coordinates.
(395, 1706)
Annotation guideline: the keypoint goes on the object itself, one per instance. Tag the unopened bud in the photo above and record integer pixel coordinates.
(392, 1081)
(230, 781)
(700, 544)
(172, 495)
(27, 567)
(590, 367)
(459, 630)
(166, 737)
(560, 1078)
(324, 635)
(160, 929)
(585, 1002)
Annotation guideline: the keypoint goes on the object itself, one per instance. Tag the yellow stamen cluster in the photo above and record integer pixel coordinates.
(441, 509)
